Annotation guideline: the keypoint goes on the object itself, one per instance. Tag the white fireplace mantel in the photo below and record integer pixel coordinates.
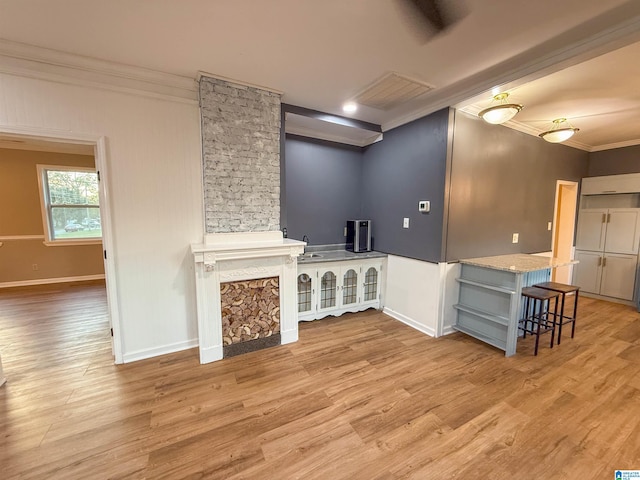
(225, 257)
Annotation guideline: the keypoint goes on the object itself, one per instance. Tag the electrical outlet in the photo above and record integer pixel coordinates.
(549, 226)
(34, 266)
(405, 222)
(345, 231)
(515, 238)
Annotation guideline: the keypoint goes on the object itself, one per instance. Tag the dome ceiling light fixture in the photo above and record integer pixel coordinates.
(558, 133)
(502, 112)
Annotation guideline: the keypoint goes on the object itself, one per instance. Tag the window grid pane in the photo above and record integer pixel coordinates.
(328, 290)
(350, 291)
(304, 293)
(72, 203)
(370, 284)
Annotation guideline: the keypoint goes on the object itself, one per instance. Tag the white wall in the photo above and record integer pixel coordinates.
(154, 167)
(413, 293)
(422, 294)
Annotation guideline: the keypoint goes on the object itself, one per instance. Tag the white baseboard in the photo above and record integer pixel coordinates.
(45, 281)
(288, 336)
(163, 350)
(448, 330)
(409, 321)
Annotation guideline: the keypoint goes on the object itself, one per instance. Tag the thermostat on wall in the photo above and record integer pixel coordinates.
(424, 206)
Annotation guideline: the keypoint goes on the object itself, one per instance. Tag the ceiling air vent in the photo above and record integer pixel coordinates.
(391, 90)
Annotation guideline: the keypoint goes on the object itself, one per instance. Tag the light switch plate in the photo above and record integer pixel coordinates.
(405, 223)
(515, 238)
(549, 226)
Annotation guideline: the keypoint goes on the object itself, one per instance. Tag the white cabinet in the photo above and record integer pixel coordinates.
(618, 275)
(627, 183)
(588, 271)
(609, 230)
(338, 287)
(608, 274)
(607, 251)
(307, 292)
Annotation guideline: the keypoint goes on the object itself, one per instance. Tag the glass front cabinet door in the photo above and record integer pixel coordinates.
(307, 299)
(336, 288)
(371, 283)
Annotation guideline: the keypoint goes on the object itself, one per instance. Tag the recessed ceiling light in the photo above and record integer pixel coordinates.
(349, 107)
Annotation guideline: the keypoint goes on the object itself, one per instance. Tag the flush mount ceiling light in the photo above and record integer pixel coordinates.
(558, 133)
(349, 107)
(502, 112)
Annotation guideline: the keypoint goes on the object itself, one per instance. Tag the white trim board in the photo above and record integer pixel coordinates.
(46, 281)
(163, 350)
(53, 65)
(8, 238)
(409, 321)
(600, 35)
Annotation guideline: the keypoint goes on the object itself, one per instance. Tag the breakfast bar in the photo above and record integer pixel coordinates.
(489, 303)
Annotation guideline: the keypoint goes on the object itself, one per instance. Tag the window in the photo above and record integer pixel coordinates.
(70, 205)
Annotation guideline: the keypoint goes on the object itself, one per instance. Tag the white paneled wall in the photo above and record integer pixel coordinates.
(413, 293)
(422, 294)
(154, 167)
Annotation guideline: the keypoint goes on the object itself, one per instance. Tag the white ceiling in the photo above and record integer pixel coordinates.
(322, 53)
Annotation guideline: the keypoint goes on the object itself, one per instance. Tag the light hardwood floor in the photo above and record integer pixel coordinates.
(361, 396)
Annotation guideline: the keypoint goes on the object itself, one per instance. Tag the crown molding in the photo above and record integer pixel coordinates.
(612, 30)
(525, 128)
(43, 63)
(238, 82)
(610, 146)
(310, 133)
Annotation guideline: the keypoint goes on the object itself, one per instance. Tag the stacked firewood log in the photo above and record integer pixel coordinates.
(250, 309)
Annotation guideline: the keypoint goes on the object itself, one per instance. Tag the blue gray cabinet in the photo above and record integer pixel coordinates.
(489, 303)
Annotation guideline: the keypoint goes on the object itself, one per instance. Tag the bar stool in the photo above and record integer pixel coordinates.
(563, 289)
(537, 312)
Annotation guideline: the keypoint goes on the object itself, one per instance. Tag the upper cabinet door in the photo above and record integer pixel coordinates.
(591, 229)
(623, 234)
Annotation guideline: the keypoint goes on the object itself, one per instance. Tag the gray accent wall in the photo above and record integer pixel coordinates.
(241, 157)
(615, 162)
(323, 185)
(407, 166)
(504, 182)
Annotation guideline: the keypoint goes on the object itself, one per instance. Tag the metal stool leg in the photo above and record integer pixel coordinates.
(561, 318)
(540, 307)
(575, 315)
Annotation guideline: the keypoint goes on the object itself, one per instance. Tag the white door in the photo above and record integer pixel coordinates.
(623, 234)
(618, 276)
(587, 272)
(591, 229)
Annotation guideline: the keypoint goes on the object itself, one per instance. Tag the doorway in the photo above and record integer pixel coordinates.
(39, 140)
(564, 223)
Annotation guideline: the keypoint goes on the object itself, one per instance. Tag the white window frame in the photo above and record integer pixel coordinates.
(45, 207)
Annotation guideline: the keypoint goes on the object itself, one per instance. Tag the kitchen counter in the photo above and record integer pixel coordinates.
(519, 262)
(322, 254)
(490, 299)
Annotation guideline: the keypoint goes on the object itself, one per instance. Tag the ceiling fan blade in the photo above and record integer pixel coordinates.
(433, 13)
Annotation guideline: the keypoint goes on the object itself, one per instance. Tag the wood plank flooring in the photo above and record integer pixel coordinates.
(361, 396)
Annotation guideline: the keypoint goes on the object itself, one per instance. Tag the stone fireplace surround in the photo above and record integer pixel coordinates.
(233, 257)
